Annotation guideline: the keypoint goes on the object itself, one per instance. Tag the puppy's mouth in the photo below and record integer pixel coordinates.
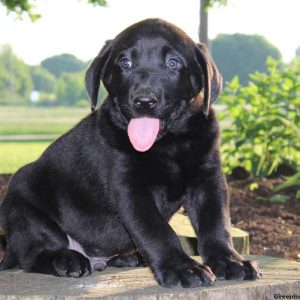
(143, 132)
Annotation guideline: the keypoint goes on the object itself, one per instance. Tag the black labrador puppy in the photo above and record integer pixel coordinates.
(102, 194)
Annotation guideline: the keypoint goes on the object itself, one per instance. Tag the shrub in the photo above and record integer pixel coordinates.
(263, 120)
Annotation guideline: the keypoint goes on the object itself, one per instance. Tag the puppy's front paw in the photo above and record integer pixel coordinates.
(187, 274)
(70, 263)
(234, 269)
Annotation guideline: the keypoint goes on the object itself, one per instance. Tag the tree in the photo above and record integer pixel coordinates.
(15, 79)
(71, 88)
(203, 24)
(298, 52)
(67, 63)
(42, 79)
(21, 7)
(241, 54)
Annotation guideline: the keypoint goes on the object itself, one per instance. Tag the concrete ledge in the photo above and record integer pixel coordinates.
(279, 277)
(182, 226)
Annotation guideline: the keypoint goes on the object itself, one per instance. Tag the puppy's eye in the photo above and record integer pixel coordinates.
(174, 64)
(125, 63)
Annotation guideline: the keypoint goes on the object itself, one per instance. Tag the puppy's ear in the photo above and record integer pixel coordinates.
(95, 73)
(212, 79)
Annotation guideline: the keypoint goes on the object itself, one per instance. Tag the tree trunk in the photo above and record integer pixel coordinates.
(203, 27)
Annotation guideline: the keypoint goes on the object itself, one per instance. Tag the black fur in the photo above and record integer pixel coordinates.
(92, 185)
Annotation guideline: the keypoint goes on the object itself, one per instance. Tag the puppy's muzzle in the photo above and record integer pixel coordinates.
(145, 101)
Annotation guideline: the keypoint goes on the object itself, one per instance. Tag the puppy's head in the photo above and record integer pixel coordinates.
(152, 70)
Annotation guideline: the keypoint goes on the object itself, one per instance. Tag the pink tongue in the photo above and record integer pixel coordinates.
(142, 132)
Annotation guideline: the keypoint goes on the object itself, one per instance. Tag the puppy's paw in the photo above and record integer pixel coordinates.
(70, 263)
(130, 260)
(234, 269)
(188, 274)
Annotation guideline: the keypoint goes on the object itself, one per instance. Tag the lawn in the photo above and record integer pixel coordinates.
(32, 121)
(13, 155)
(39, 120)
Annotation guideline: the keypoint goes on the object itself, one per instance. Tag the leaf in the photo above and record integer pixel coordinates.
(292, 181)
(279, 198)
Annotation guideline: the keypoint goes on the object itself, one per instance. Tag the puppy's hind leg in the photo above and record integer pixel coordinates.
(62, 262)
(38, 244)
(8, 261)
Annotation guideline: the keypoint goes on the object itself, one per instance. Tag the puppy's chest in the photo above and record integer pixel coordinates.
(160, 170)
(165, 181)
(163, 174)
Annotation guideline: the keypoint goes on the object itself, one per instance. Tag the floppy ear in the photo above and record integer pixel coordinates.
(95, 73)
(212, 79)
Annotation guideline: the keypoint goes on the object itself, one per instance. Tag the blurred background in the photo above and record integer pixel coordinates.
(46, 46)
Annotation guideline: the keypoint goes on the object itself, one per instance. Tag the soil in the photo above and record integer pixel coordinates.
(274, 228)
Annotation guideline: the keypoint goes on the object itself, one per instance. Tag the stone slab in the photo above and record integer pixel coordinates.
(279, 277)
(182, 226)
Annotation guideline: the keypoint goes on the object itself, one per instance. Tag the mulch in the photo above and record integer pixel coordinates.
(274, 228)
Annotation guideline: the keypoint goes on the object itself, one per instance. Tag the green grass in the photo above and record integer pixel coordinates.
(32, 121)
(13, 155)
(39, 120)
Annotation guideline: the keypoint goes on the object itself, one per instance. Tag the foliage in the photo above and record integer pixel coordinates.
(15, 79)
(279, 198)
(43, 80)
(58, 64)
(241, 54)
(98, 2)
(298, 52)
(265, 120)
(64, 87)
(293, 181)
(23, 7)
(211, 3)
(20, 7)
(71, 88)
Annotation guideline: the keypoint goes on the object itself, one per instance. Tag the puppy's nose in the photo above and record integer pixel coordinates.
(145, 101)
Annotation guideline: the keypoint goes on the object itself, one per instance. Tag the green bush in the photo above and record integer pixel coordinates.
(263, 120)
